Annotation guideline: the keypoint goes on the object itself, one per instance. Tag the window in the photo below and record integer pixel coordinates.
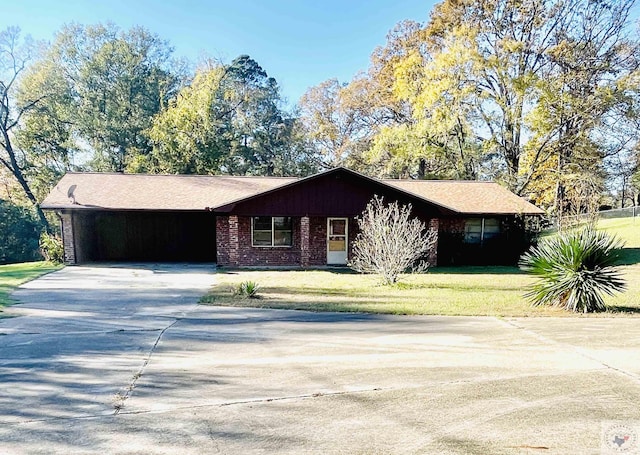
(491, 229)
(473, 230)
(271, 231)
(478, 230)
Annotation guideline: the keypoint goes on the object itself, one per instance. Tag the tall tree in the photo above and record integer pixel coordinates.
(230, 119)
(343, 119)
(191, 135)
(531, 83)
(109, 85)
(47, 133)
(404, 144)
(497, 50)
(434, 86)
(372, 123)
(333, 127)
(14, 55)
(577, 123)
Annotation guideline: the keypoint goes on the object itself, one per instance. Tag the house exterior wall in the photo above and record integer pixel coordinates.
(315, 254)
(432, 256)
(251, 256)
(96, 233)
(235, 249)
(502, 249)
(453, 225)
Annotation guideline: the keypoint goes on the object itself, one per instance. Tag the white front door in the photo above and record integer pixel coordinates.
(337, 239)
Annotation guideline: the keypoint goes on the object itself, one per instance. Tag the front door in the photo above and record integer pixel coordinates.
(337, 235)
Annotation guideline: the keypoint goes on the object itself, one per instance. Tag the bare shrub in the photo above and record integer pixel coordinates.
(390, 242)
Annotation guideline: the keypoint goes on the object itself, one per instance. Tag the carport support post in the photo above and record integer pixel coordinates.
(304, 241)
(234, 245)
(68, 242)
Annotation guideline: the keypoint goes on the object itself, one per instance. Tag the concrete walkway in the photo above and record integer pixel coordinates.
(123, 360)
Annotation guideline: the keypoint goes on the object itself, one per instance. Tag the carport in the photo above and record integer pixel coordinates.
(142, 235)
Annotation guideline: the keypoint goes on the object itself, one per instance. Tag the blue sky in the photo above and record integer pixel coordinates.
(300, 43)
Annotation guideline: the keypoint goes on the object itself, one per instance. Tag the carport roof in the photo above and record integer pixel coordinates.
(116, 191)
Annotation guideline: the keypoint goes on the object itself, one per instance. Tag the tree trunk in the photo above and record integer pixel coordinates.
(422, 168)
(17, 173)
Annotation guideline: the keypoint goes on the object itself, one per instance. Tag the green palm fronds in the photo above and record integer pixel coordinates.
(576, 269)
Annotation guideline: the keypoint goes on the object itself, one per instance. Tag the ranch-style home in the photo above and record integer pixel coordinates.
(274, 221)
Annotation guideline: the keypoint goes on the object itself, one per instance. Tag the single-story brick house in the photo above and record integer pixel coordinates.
(271, 221)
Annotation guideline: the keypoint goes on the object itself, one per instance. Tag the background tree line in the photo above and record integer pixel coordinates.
(541, 96)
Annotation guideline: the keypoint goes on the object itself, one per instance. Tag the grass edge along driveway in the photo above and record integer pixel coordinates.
(13, 275)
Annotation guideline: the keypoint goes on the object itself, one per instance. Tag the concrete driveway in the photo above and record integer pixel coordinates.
(121, 359)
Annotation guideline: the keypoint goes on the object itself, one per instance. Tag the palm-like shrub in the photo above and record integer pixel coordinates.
(576, 269)
(247, 290)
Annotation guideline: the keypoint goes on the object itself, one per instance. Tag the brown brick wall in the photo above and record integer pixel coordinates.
(249, 255)
(353, 233)
(222, 239)
(234, 239)
(317, 240)
(452, 225)
(66, 227)
(304, 241)
(432, 255)
(235, 250)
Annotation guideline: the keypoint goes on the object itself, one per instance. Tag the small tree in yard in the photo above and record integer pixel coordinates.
(390, 242)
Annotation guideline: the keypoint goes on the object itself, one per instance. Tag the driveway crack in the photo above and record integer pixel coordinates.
(303, 396)
(121, 397)
(577, 350)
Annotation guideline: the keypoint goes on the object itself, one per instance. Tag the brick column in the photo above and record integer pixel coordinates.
(234, 245)
(434, 226)
(66, 222)
(304, 241)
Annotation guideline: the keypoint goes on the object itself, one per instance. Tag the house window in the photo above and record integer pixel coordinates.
(479, 230)
(271, 231)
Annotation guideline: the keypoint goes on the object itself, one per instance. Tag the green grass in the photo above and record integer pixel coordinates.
(486, 291)
(13, 275)
(453, 292)
(628, 229)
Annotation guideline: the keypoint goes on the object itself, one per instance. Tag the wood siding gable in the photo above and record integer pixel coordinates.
(338, 192)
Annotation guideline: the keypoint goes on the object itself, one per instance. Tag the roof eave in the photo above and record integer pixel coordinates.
(84, 208)
(502, 213)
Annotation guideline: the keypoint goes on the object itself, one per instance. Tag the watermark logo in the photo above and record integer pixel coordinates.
(620, 437)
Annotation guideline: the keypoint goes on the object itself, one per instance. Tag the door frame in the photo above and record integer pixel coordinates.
(346, 241)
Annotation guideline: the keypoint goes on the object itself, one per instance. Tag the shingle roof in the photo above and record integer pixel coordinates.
(199, 192)
(469, 197)
(154, 192)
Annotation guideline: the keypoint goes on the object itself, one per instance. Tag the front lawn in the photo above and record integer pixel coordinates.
(13, 275)
(487, 291)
